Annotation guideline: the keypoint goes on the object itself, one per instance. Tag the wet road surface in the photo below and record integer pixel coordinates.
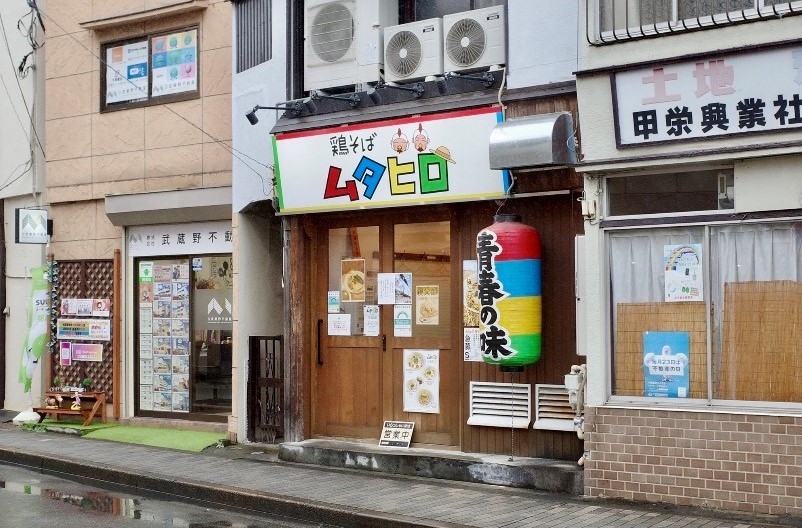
(32, 500)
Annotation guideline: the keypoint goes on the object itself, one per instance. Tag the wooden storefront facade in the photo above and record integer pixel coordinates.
(347, 386)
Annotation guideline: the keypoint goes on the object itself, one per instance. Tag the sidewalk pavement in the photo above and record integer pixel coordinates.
(247, 477)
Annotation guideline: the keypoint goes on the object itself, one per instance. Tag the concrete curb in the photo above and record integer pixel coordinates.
(225, 496)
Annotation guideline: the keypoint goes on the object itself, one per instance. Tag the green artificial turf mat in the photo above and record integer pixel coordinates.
(183, 440)
(93, 426)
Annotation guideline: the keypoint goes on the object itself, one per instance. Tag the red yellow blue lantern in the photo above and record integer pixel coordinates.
(510, 315)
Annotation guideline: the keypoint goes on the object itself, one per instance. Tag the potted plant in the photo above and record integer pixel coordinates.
(56, 384)
(86, 384)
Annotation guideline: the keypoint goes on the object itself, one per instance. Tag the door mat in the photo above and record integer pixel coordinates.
(179, 439)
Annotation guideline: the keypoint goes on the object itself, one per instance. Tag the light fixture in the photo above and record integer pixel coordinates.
(486, 78)
(293, 106)
(353, 99)
(417, 89)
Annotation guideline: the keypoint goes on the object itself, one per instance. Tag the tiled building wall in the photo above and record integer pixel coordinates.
(91, 155)
(729, 461)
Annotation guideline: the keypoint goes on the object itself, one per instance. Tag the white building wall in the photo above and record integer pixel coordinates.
(258, 295)
(21, 105)
(542, 42)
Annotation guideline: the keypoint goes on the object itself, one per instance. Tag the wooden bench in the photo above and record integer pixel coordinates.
(97, 400)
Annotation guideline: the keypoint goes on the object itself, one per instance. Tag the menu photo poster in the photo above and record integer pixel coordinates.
(422, 381)
(427, 305)
(352, 280)
(470, 294)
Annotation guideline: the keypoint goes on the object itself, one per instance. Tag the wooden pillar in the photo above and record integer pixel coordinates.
(297, 324)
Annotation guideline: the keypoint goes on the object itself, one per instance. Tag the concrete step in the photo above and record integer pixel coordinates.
(533, 473)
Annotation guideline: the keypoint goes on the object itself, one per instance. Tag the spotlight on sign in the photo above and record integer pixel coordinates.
(508, 255)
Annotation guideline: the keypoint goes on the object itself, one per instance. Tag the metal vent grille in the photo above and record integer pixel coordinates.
(253, 34)
(465, 42)
(553, 411)
(403, 53)
(332, 32)
(500, 404)
(88, 279)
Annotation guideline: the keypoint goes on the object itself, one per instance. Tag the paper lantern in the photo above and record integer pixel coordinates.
(508, 255)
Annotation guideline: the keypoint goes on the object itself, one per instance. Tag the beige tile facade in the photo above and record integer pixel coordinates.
(750, 463)
(92, 154)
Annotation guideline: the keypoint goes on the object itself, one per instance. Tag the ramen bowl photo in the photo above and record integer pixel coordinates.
(415, 361)
(425, 397)
(353, 285)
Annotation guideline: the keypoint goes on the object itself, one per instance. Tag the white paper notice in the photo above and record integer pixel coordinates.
(371, 312)
(145, 346)
(386, 288)
(402, 320)
(471, 344)
(145, 320)
(339, 324)
(422, 381)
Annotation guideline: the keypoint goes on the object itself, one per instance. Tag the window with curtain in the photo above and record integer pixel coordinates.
(754, 285)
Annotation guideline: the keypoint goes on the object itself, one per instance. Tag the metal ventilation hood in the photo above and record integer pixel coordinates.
(533, 142)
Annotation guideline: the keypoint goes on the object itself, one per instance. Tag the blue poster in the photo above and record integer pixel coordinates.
(665, 364)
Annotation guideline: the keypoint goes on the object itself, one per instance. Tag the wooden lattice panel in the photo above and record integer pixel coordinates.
(635, 318)
(88, 279)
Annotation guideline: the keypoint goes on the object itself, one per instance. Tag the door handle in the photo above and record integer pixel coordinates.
(319, 325)
(384, 342)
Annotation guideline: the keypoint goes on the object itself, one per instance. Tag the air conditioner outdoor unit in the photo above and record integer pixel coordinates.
(413, 51)
(343, 41)
(474, 40)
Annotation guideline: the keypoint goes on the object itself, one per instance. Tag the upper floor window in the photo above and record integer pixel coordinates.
(253, 35)
(413, 10)
(618, 20)
(671, 193)
(153, 69)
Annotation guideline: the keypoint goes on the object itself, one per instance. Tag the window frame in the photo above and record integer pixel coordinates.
(151, 99)
(710, 403)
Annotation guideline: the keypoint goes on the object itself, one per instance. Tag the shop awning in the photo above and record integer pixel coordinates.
(540, 141)
(169, 207)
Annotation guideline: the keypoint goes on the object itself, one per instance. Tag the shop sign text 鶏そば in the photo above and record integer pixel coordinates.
(407, 161)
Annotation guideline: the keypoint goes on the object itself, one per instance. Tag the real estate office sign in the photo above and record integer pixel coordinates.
(408, 161)
(717, 95)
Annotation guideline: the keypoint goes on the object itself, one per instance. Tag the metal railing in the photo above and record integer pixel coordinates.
(266, 388)
(611, 21)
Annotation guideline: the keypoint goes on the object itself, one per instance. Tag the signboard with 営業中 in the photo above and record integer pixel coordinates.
(433, 158)
(719, 95)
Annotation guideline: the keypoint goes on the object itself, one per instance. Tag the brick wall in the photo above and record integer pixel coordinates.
(726, 461)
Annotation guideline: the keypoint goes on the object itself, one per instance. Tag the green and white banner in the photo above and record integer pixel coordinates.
(38, 315)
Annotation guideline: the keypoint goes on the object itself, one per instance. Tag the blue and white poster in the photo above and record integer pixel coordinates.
(665, 364)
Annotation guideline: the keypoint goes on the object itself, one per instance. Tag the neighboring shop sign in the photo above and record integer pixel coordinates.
(127, 72)
(31, 226)
(408, 161)
(179, 239)
(84, 329)
(217, 312)
(665, 364)
(715, 96)
(175, 63)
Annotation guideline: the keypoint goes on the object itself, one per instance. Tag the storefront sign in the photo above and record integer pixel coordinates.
(85, 329)
(396, 434)
(87, 352)
(714, 96)
(178, 239)
(683, 268)
(665, 364)
(409, 161)
(422, 381)
(508, 255)
(31, 226)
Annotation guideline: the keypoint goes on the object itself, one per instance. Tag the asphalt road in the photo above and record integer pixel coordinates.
(32, 500)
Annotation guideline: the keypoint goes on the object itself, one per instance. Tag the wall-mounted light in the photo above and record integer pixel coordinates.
(293, 106)
(353, 99)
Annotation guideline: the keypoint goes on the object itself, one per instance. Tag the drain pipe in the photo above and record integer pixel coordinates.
(575, 383)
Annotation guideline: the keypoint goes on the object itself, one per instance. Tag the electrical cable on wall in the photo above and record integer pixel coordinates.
(231, 150)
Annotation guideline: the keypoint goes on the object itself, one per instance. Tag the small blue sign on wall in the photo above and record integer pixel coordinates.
(666, 364)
